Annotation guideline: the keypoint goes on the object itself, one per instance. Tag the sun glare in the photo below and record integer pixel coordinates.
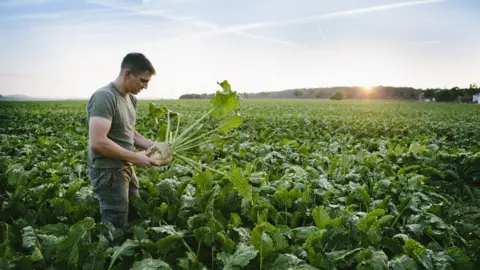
(367, 88)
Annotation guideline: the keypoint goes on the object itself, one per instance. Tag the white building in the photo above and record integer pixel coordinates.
(476, 98)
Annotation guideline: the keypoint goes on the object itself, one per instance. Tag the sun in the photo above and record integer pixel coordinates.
(367, 88)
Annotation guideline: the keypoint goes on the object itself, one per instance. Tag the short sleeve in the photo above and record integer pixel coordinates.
(102, 104)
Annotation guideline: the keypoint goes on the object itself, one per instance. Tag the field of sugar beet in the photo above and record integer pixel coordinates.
(298, 184)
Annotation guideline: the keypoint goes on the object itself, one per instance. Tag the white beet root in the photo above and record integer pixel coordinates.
(160, 152)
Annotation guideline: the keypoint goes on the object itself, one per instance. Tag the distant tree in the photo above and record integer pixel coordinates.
(196, 96)
(297, 93)
(429, 93)
(455, 92)
(446, 95)
(337, 96)
(473, 89)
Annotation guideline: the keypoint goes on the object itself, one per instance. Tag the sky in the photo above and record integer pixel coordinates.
(69, 48)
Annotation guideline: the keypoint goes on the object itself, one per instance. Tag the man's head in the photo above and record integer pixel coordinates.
(136, 71)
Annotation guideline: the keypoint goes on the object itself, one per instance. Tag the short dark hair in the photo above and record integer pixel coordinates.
(137, 63)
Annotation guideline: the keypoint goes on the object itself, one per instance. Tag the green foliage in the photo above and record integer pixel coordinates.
(297, 93)
(299, 184)
(337, 96)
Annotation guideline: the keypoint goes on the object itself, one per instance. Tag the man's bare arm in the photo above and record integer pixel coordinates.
(141, 142)
(98, 140)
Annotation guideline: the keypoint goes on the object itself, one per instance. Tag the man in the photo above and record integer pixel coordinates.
(112, 138)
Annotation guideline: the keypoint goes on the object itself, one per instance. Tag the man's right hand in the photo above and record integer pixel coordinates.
(143, 160)
(98, 141)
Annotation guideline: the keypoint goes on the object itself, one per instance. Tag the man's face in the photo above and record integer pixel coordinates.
(135, 84)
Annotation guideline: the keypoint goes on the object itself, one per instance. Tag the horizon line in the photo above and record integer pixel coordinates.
(244, 92)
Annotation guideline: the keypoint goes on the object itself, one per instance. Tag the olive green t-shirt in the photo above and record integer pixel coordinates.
(108, 102)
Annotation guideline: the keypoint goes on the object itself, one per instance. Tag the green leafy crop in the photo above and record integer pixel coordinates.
(255, 184)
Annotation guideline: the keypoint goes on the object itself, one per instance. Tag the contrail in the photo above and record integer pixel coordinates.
(164, 14)
(239, 29)
(322, 35)
(265, 24)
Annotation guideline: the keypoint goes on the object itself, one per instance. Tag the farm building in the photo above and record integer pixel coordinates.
(421, 97)
(476, 98)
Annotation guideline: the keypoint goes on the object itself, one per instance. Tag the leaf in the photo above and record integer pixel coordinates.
(97, 253)
(191, 262)
(224, 102)
(241, 184)
(150, 264)
(235, 220)
(49, 246)
(166, 244)
(313, 244)
(225, 86)
(204, 184)
(413, 248)
(321, 217)
(370, 219)
(29, 239)
(228, 245)
(301, 234)
(460, 259)
(289, 261)
(418, 251)
(69, 249)
(261, 240)
(17, 175)
(139, 233)
(279, 239)
(242, 256)
(126, 249)
(378, 261)
(243, 233)
(402, 237)
(155, 111)
(402, 262)
(59, 229)
(229, 123)
(31, 242)
(61, 206)
(383, 221)
(168, 229)
(442, 262)
(73, 188)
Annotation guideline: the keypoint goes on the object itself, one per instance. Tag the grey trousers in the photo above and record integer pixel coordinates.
(113, 188)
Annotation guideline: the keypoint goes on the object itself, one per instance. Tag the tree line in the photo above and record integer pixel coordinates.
(453, 94)
(378, 92)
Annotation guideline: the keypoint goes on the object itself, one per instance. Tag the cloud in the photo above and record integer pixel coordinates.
(14, 74)
(424, 42)
(14, 3)
(148, 2)
(54, 15)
